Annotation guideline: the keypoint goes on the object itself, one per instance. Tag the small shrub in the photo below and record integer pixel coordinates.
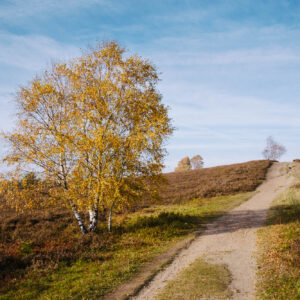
(26, 248)
(169, 219)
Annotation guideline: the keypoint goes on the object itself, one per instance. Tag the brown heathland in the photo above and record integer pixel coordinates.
(216, 181)
(44, 238)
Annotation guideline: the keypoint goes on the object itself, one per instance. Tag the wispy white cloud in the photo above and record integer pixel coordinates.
(215, 109)
(21, 57)
(259, 55)
(32, 52)
(7, 112)
(20, 9)
(238, 45)
(201, 146)
(227, 128)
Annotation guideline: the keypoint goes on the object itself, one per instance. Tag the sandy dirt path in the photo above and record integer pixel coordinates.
(230, 240)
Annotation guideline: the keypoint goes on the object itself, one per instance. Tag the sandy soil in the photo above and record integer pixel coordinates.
(231, 240)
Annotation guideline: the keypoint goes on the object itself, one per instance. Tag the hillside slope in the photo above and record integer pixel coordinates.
(216, 181)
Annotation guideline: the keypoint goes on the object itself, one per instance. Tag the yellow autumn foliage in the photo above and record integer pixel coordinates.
(95, 126)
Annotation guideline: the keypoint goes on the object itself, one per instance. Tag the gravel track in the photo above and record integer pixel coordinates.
(229, 240)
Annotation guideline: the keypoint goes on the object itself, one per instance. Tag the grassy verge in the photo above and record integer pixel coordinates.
(279, 243)
(200, 279)
(136, 240)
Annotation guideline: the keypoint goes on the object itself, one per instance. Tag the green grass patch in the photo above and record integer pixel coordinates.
(279, 243)
(136, 239)
(200, 279)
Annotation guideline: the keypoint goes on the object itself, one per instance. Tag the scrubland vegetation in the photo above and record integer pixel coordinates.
(210, 182)
(42, 253)
(279, 242)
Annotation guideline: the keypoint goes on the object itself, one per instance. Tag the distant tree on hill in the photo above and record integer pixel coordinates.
(197, 162)
(273, 149)
(184, 165)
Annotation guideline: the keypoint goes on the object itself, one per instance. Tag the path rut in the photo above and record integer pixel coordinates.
(230, 240)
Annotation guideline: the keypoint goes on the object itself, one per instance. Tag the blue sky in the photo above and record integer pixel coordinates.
(230, 69)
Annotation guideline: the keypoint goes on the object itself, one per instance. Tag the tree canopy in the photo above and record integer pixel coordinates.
(197, 162)
(186, 163)
(96, 127)
(273, 150)
(183, 165)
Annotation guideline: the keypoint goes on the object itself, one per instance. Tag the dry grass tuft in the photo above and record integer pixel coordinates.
(296, 186)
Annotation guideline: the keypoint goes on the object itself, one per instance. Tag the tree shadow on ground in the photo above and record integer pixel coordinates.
(217, 223)
(163, 220)
(247, 219)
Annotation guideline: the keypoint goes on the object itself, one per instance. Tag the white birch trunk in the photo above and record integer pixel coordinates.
(93, 219)
(109, 220)
(78, 219)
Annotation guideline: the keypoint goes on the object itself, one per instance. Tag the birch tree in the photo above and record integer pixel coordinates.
(183, 165)
(197, 162)
(273, 150)
(97, 127)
